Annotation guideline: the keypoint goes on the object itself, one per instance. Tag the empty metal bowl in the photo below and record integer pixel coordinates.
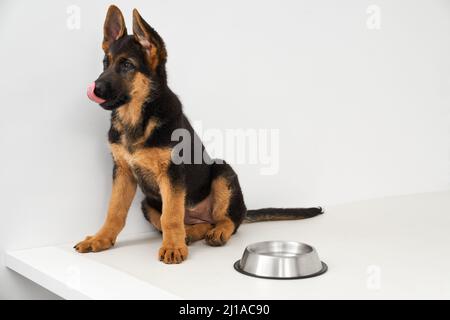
(280, 260)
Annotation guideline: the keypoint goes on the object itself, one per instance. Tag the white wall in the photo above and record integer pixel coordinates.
(362, 113)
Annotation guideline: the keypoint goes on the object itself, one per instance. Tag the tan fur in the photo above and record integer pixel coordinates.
(157, 160)
(154, 60)
(195, 232)
(121, 155)
(221, 233)
(224, 228)
(123, 191)
(130, 113)
(154, 160)
(173, 249)
(117, 125)
(221, 195)
(154, 216)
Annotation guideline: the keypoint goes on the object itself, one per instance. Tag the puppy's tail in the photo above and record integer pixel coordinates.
(277, 214)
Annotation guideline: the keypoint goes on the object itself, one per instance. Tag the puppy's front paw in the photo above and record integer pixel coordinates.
(173, 254)
(94, 244)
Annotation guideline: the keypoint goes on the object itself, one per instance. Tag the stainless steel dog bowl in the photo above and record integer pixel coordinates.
(280, 260)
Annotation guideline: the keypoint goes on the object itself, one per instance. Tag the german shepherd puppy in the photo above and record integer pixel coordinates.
(186, 202)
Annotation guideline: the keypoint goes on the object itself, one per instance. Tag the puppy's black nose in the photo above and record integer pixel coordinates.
(101, 89)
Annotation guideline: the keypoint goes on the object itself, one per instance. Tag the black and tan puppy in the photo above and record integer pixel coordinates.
(186, 202)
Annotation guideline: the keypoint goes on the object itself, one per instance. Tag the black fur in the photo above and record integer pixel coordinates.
(113, 135)
(274, 214)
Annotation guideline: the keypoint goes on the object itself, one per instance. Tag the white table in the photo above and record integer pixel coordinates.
(396, 247)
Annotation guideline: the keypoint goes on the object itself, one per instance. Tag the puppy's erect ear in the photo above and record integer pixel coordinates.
(114, 27)
(149, 40)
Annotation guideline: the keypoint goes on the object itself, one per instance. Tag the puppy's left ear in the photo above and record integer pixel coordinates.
(149, 40)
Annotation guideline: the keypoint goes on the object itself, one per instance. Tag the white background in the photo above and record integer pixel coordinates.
(362, 113)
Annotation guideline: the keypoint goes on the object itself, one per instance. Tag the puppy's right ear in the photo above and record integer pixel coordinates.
(114, 27)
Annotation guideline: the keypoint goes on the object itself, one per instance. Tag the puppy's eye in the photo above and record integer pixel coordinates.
(127, 65)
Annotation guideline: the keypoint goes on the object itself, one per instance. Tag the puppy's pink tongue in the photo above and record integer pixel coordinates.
(91, 95)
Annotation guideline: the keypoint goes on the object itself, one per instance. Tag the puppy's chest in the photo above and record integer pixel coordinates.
(144, 163)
